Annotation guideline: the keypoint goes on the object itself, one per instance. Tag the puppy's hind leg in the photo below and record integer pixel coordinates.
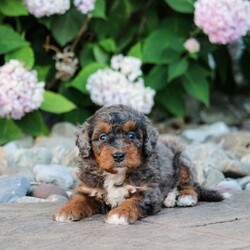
(190, 191)
(78, 207)
(188, 194)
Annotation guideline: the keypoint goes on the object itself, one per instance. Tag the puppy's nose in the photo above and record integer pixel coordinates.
(118, 156)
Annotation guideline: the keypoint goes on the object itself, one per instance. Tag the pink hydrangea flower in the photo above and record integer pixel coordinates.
(224, 21)
(192, 45)
(41, 8)
(20, 92)
(85, 6)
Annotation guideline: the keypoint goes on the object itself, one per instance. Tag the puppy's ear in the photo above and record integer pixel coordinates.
(83, 140)
(151, 137)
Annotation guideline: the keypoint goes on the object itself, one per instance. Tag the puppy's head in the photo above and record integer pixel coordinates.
(117, 137)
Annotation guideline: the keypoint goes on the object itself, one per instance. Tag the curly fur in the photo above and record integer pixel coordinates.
(152, 174)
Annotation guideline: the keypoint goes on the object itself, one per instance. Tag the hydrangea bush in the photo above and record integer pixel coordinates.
(69, 57)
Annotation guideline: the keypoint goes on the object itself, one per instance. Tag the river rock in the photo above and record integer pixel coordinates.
(10, 148)
(235, 142)
(246, 159)
(30, 199)
(54, 142)
(13, 187)
(213, 176)
(19, 171)
(210, 153)
(44, 190)
(51, 198)
(3, 160)
(202, 133)
(64, 129)
(28, 158)
(57, 198)
(243, 182)
(247, 186)
(24, 142)
(227, 186)
(234, 168)
(65, 157)
(55, 174)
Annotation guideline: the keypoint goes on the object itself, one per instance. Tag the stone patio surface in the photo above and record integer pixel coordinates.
(223, 225)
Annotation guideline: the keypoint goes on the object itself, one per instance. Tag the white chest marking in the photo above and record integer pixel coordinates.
(115, 194)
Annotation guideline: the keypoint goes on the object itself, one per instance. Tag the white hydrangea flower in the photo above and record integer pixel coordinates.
(127, 65)
(20, 92)
(109, 87)
(85, 6)
(41, 8)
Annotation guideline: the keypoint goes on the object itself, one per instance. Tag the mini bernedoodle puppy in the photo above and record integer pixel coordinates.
(127, 172)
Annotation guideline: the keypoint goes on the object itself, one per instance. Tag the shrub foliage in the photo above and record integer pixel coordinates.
(153, 31)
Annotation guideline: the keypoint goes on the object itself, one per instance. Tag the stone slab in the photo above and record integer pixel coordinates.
(223, 225)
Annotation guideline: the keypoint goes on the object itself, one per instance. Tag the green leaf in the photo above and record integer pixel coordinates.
(65, 27)
(13, 8)
(56, 103)
(100, 55)
(33, 124)
(100, 9)
(172, 99)
(9, 131)
(108, 45)
(196, 83)
(158, 47)
(86, 56)
(136, 51)
(77, 116)
(177, 68)
(10, 40)
(156, 78)
(24, 54)
(179, 25)
(80, 80)
(182, 6)
(42, 72)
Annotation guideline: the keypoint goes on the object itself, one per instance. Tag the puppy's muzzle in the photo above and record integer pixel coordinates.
(118, 156)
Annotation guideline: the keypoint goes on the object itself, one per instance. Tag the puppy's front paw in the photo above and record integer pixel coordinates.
(66, 214)
(123, 215)
(117, 219)
(187, 201)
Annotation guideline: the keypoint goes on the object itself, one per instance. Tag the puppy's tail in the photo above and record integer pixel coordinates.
(208, 194)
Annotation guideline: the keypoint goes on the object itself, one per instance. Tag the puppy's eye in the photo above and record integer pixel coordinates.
(104, 137)
(131, 135)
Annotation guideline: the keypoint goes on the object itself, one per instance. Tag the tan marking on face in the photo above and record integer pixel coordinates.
(132, 157)
(105, 159)
(129, 126)
(101, 128)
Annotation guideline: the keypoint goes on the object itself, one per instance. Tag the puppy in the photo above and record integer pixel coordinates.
(127, 172)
